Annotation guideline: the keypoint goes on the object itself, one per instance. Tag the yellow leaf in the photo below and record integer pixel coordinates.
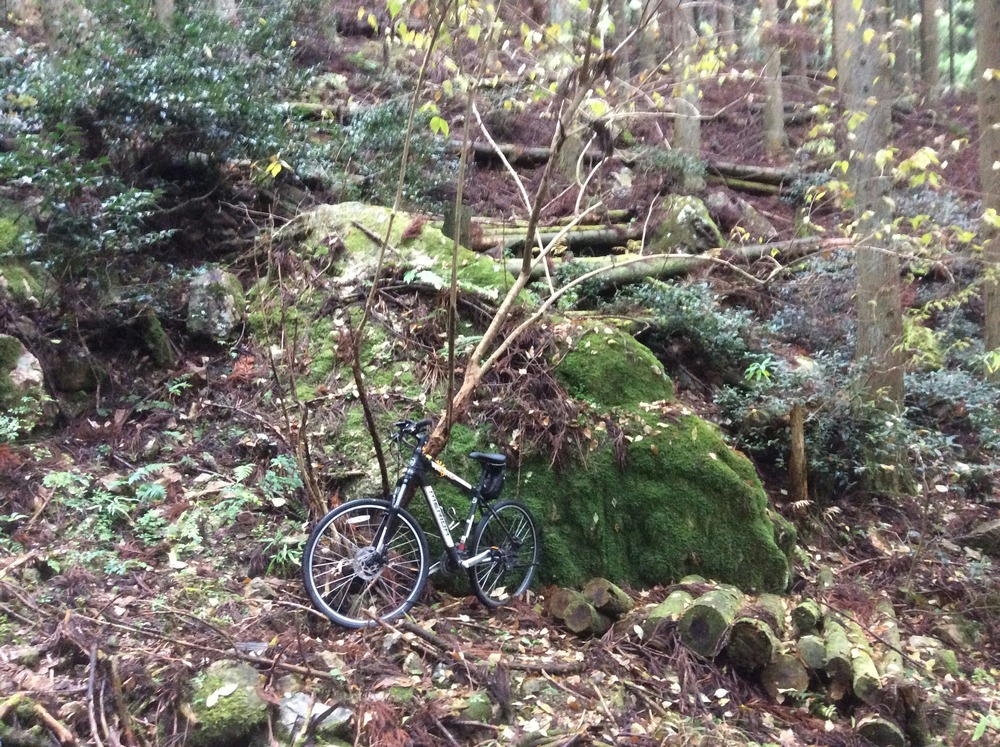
(868, 35)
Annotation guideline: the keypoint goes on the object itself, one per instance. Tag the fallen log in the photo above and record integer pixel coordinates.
(581, 618)
(806, 617)
(607, 598)
(865, 679)
(890, 662)
(812, 652)
(784, 676)
(881, 732)
(745, 185)
(837, 649)
(754, 636)
(667, 611)
(752, 644)
(632, 268)
(704, 624)
(773, 175)
(560, 599)
(597, 238)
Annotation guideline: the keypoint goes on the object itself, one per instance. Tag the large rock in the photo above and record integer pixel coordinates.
(664, 499)
(985, 537)
(22, 386)
(686, 227)
(419, 248)
(216, 304)
(227, 707)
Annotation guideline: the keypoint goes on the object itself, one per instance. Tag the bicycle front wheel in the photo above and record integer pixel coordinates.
(353, 581)
(509, 533)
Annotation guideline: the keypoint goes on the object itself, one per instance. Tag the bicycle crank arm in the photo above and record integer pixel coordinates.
(477, 559)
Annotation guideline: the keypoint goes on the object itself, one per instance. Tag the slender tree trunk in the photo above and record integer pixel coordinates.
(774, 102)
(727, 25)
(868, 107)
(988, 87)
(930, 44)
(843, 13)
(902, 47)
(687, 93)
(225, 9)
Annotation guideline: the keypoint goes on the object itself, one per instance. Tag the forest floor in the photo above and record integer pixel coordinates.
(86, 622)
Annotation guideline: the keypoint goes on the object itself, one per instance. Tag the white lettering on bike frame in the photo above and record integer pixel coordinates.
(439, 516)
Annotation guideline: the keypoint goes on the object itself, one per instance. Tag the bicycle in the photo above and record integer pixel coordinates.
(368, 560)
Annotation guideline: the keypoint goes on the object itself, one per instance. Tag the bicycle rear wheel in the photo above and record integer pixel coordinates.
(349, 579)
(508, 531)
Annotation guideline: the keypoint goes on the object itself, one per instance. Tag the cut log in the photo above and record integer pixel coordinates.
(745, 185)
(704, 624)
(667, 611)
(881, 732)
(752, 644)
(783, 677)
(865, 680)
(560, 599)
(581, 618)
(812, 652)
(838, 658)
(806, 617)
(890, 662)
(765, 174)
(755, 634)
(607, 598)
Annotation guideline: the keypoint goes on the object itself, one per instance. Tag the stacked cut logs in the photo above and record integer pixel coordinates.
(791, 649)
(591, 611)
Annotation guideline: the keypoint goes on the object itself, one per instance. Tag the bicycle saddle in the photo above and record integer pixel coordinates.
(497, 460)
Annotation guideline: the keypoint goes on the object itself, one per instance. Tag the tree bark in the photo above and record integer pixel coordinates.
(607, 598)
(164, 10)
(988, 87)
(798, 480)
(785, 676)
(902, 46)
(930, 44)
(868, 110)
(687, 94)
(775, 140)
(843, 15)
(667, 611)
(727, 26)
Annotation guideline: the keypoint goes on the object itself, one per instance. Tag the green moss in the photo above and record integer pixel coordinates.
(161, 352)
(10, 352)
(686, 227)
(230, 718)
(427, 256)
(678, 507)
(608, 367)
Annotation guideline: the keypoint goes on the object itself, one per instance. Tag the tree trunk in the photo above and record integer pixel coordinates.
(774, 101)
(727, 25)
(988, 50)
(798, 481)
(842, 14)
(225, 9)
(869, 113)
(930, 44)
(687, 98)
(902, 47)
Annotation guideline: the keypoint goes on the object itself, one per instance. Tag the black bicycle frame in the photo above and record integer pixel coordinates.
(418, 475)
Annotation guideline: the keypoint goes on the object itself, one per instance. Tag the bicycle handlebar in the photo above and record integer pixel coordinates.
(411, 427)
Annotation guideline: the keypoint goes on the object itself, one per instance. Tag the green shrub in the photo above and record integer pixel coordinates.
(687, 328)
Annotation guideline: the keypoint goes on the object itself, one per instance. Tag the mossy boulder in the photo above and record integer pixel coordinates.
(216, 304)
(422, 250)
(227, 707)
(683, 503)
(686, 227)
(606, 366)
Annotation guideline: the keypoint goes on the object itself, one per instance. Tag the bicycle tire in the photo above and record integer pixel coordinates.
(508, 528)
(343, 574)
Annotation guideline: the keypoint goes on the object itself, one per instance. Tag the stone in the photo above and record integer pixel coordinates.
(227, 707)
(686, 228)
(22, 387)
(216, 304)
(296, 708)
(985, 537)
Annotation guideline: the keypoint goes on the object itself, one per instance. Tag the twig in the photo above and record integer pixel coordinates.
(444, 731)
(427, 635)
(94, 733)
(117, 692)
